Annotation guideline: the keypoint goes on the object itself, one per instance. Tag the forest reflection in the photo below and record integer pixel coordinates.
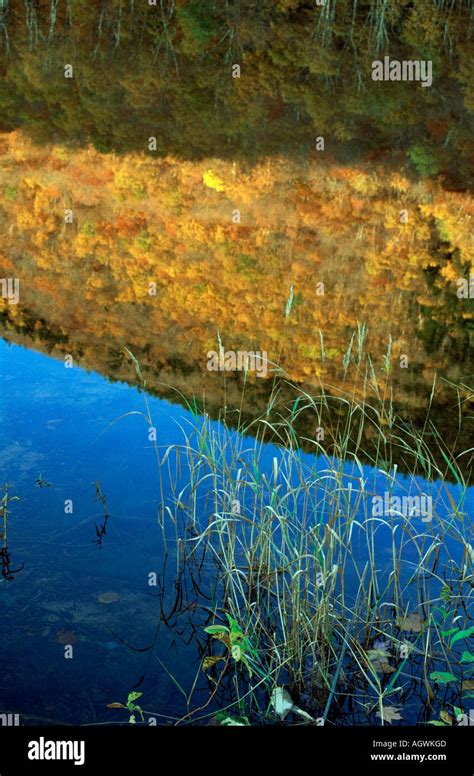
(242, 79)
(180, 175)
(181, 179)
(319, 272)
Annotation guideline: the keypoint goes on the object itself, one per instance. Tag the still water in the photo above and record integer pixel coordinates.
(60, 432)
(180, 177)
(64, 431)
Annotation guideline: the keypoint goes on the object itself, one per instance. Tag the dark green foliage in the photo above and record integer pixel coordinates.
(166, 70)
(432, 333)
(197, 25)
(423, 159)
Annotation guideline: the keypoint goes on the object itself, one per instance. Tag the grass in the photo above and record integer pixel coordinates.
(294, 580)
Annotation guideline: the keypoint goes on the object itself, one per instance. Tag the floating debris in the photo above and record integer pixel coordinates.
(109, 597)
(41, 483)
(66, 637)
(412, 622)
(282, 702)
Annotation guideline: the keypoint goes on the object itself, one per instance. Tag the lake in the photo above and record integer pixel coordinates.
(236, 348)
(73, 429)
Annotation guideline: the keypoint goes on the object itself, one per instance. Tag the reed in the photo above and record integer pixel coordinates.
(301, 582)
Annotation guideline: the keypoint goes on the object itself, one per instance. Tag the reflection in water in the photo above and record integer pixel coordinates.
(243, 79)
(8, 572)
(183, 192)
(62, 429)
(133, 610)
(148, 254)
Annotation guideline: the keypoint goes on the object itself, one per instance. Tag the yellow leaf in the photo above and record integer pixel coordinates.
(212, 181)
(209, 662)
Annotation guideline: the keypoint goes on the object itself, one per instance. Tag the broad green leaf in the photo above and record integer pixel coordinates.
(132, 696)
(467, 657)
(442, 677)
(464, 634)
(449, 632)
(437, 722)
(446, 717)
(236, 652)
(213, 629)
(234, 626)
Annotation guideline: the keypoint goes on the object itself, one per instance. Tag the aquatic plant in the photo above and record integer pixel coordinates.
(311, 587)
(130, 705)
(237, 643)
(101, 530)
(7, 572)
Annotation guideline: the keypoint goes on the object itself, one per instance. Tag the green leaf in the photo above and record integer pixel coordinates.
(213, 629)
(249, 648)
(437, 722)
(247, 665)
(460, 482)
(449, 632)
(295, 405)
(464, 634)
(236, 652)
(225, 719)
(444, 614)
(234, 626)
(132, 696)
(467, 657)
(442, 677)
(446, 717)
